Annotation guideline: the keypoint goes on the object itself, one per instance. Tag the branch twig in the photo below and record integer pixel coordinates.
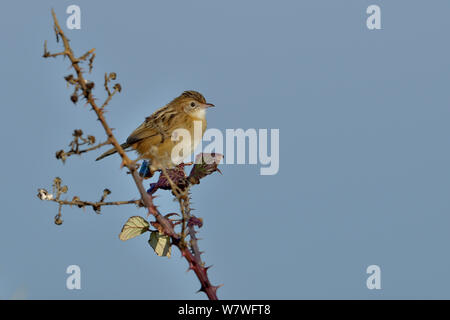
(77, 142)
(147, 200)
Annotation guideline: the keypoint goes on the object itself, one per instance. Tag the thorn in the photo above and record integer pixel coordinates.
(208, 267)
(202, 289)
(217, 287)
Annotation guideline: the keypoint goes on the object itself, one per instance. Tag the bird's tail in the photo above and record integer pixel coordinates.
(112, 151)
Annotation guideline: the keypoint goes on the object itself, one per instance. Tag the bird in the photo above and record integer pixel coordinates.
(153, 139)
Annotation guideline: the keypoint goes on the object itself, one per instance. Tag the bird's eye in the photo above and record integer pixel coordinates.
(192, 104)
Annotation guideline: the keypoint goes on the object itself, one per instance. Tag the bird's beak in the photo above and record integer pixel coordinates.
(209, 105)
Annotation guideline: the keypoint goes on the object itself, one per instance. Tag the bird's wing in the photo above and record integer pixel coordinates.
(142, 132)
(154, 127)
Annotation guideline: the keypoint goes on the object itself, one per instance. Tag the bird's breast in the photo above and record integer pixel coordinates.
(180, 143)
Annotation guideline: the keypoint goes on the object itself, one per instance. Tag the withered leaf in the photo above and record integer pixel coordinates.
(194, 221)
(177, 175)
(205, 164)
(117, 87)
(91, 139)
(77, 133)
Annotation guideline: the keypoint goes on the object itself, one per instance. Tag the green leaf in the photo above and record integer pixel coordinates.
(133, 227)
(160, 243)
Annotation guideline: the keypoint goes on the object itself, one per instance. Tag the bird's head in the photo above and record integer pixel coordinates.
(193, 103)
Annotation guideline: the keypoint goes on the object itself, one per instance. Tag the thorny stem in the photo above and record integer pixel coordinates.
(183, 218)
(184, 201)
(192, 232)
(198, 268)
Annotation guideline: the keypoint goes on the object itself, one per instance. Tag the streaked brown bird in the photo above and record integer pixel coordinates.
(153, 138)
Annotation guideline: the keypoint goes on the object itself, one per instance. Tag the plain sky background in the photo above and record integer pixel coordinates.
(364, 147)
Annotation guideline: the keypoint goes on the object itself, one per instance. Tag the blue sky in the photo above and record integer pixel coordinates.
(363, 119)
